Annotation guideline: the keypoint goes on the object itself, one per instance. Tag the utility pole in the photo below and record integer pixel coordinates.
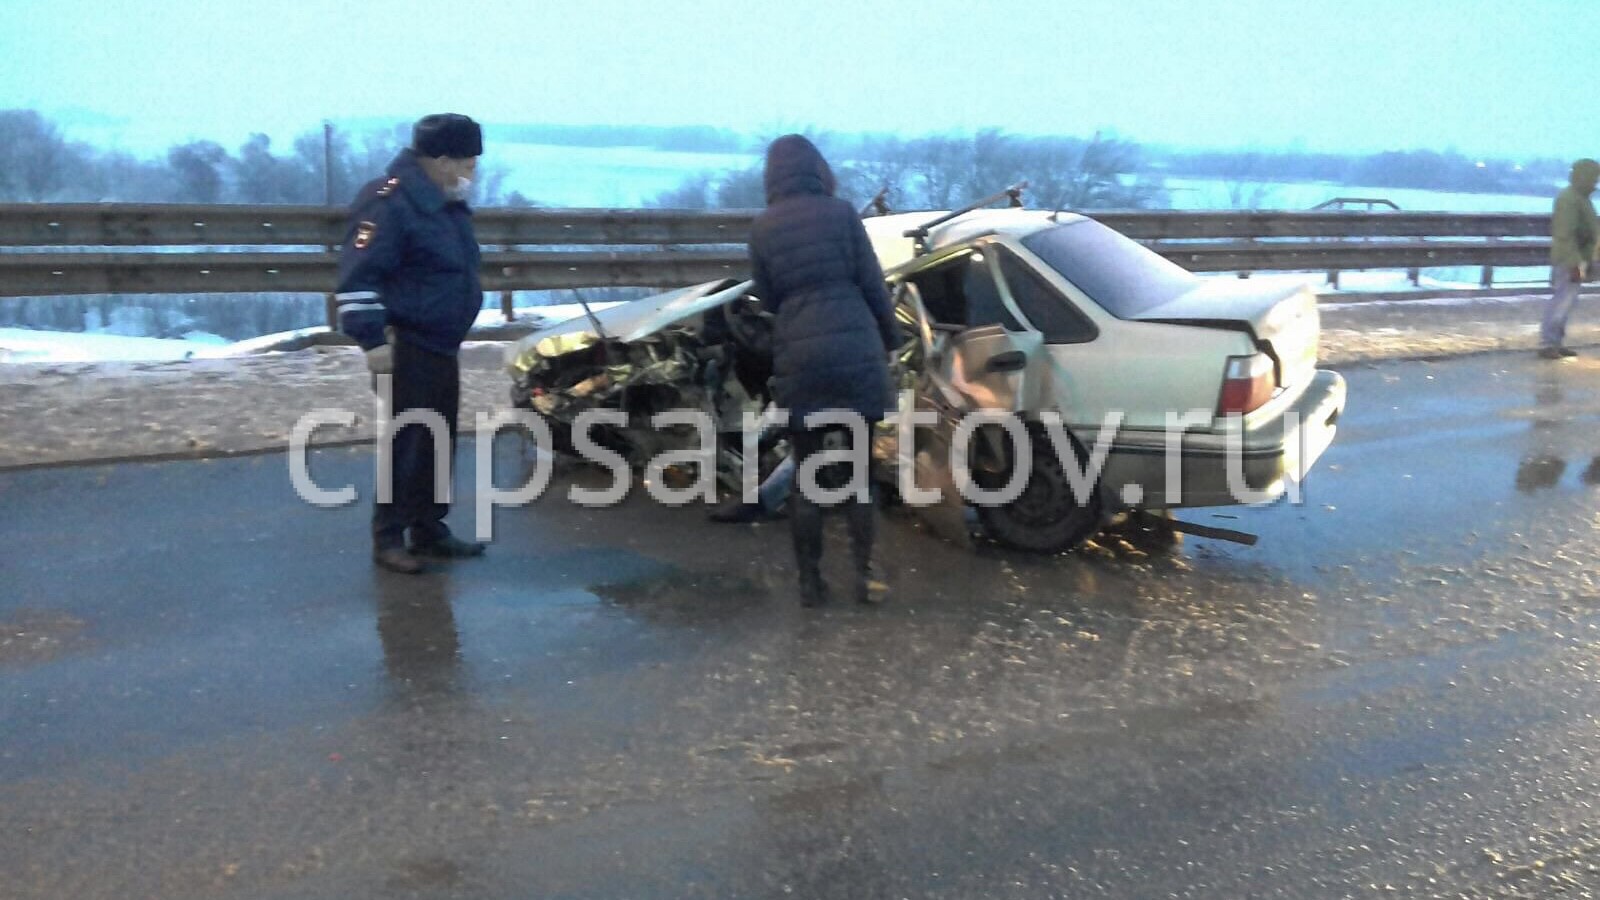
(327, 163)
(330, 306)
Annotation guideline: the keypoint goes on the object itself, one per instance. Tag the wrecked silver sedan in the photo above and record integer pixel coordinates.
(1129, 383)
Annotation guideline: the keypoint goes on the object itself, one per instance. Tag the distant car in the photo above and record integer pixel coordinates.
(1029, 312)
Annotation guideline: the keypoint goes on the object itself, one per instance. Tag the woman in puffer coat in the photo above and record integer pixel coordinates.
(815, 270)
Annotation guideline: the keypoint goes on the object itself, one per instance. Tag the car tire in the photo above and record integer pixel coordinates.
(1048, 516)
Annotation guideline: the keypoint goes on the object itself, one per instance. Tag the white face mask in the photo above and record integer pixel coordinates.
(463, 188)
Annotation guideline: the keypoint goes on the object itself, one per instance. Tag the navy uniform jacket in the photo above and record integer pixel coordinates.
(410, 260)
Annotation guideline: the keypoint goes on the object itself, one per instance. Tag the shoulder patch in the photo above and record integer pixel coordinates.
(388, 187)
(364, 232)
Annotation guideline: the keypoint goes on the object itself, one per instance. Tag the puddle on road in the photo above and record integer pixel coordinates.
(685, 597)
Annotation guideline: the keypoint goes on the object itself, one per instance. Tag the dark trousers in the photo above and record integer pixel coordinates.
(422, 379)
(805, 517)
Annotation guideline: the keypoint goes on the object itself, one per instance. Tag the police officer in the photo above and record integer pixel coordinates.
(408, 293)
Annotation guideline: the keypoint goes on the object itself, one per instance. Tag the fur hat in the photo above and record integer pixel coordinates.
(447, 134)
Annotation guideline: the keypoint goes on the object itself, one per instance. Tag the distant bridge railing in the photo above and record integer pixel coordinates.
(64, 249)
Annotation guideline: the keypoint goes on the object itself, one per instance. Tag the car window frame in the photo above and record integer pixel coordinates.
(965, 254)
(1091, 327)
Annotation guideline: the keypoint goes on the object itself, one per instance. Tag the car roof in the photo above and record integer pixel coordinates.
(889, 241)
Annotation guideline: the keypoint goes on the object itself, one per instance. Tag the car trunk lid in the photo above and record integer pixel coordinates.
(1279, 313)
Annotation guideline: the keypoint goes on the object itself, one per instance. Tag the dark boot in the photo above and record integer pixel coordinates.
(813, 590)
(806, 528)
(863, 521)
(448, 547)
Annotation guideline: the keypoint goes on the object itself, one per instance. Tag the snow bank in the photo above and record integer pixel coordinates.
(26, 345)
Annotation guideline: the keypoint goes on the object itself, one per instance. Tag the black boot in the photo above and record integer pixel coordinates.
(448, 547)
(813, 590)
(806, 528)
(863, 521)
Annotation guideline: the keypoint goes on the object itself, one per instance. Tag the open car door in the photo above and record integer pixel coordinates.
(951, 372)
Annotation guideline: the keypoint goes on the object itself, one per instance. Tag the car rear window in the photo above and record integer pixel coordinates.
(1125, 278)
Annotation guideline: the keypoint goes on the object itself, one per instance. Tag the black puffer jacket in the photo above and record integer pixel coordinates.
(815, 269)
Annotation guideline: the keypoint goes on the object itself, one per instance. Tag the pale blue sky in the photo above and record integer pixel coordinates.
(1491, 77)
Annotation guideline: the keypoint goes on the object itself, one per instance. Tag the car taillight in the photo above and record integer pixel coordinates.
(1247, 382)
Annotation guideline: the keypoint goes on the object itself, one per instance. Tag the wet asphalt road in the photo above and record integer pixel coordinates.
(206, 691)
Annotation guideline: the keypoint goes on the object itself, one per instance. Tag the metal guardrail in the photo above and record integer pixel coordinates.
(155, 225)
(57, 249)
(55, 274)
(1168, 225)
(160, 225)
(1294, 256)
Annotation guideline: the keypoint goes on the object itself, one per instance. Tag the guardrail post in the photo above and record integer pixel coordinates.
(1333, 280)
(1415, 275)
(330, 306)
(1487, 280)
(507, 303)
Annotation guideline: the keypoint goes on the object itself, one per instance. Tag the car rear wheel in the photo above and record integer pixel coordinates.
(1049, 515)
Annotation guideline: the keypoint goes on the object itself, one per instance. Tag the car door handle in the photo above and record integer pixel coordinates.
(1009, 361)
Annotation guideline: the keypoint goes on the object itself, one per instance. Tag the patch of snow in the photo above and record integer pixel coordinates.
(264, 343)
(27, 345)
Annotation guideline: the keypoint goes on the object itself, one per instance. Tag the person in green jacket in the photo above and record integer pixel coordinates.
(1574, 249)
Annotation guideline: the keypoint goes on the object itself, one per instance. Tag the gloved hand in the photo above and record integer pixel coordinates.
(380, 359)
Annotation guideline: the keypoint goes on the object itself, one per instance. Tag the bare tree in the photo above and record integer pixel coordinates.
(197, 168)
(742, 189)
(35, 160)
(1243, 184)
(936, 168)
(259, 176)
(883, 164)
(997, 161)
(694, 192)
(1098, 174)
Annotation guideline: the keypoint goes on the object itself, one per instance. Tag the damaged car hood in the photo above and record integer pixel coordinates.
(627, 322)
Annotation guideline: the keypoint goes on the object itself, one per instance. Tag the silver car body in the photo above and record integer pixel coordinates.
(1162, 357)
